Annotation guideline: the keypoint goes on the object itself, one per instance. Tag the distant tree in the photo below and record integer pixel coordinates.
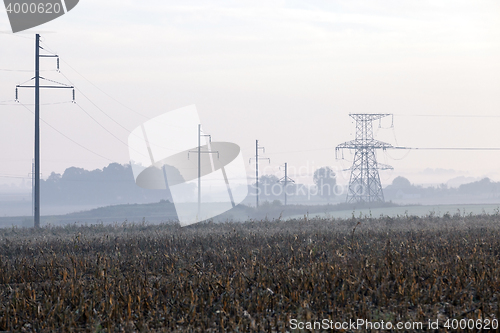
(266, 183)
(401, 183)
(483, 186)
(325, 180)
(268, 180)
(54, 177)
(112, 185)
(74, 173)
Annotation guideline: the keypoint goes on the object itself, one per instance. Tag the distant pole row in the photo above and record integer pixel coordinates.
(285, 180)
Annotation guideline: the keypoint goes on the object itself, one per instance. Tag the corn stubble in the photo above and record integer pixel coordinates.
(254, 276)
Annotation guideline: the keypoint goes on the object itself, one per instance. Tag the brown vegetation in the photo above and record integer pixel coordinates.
(248, 277)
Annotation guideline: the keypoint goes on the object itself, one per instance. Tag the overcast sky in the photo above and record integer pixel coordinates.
(287, 73)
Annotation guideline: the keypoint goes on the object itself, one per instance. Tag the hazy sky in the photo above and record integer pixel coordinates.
(285, 72)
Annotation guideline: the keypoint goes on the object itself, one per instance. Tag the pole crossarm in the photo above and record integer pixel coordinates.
(204, 151)
(286, 180)
(60, 84)
(51, 87)
(260, 158)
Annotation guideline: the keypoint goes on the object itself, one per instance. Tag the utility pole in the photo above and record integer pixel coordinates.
(257, 169)
(285, 180)
(37, 120)
(199, 169)
(32, 175)
(364, 185)
(199, 151)
(37, 132)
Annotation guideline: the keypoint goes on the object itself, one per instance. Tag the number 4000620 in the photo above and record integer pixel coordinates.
(41, 8)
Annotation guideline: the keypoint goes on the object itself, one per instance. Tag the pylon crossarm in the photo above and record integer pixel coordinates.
(369, 116)
(358, 144)
(381, 166)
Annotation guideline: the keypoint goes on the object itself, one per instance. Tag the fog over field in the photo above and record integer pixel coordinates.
(287, 73)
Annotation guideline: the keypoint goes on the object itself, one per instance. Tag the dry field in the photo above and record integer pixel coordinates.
(250, 277)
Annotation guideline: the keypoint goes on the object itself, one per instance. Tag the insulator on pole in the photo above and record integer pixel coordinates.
(16, 95)
(73, 95)
(57, 63)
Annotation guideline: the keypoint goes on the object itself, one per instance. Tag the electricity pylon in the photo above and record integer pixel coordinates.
(364, 184)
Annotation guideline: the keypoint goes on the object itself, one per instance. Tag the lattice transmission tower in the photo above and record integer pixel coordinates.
(364, 184)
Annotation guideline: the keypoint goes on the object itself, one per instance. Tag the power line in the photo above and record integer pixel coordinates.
(47, 47)
(11, 176)
(7, 101)
(449, 148)
(111, 97)
(111, 133)
(105, 93)
(98, 108)
(67, 137)
(18, 35)
(55, 103)
(95, 120)
(300, 151)
(449, 115)
(101, 125)
(111, 118)
(15, 70)
(98, 88)
(386, 152)
(26, 70)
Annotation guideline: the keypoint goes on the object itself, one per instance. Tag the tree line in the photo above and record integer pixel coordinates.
(113, 184)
